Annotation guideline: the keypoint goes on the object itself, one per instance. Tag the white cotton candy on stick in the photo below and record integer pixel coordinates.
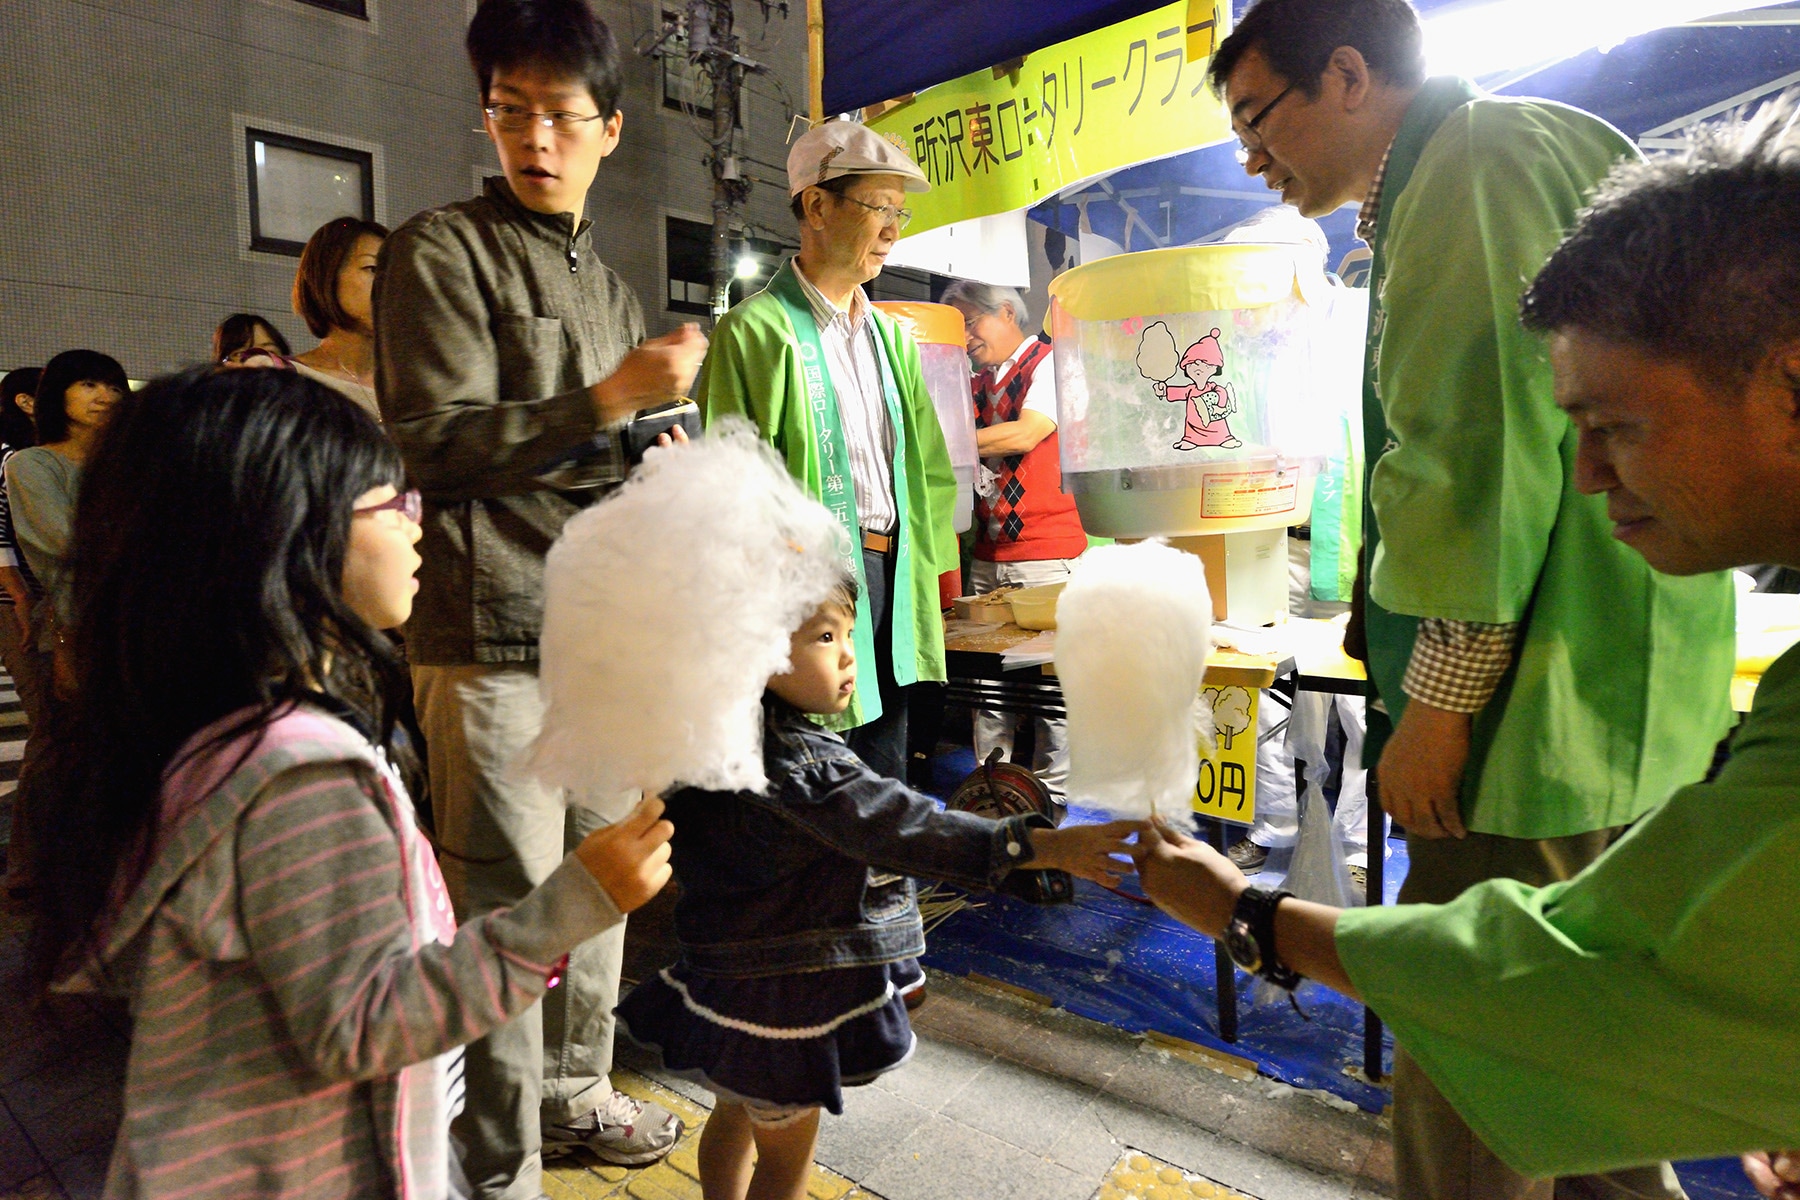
(667, 607)
(1133, 630)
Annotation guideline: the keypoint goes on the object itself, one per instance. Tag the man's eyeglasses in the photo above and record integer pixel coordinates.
(1249, 141)
(410, 505)
(513, 119)
(899, 217)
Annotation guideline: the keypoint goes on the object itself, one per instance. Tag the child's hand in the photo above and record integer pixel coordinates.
(631, 859)
(1086, 850)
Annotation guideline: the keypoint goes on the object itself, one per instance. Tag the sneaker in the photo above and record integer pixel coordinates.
(1247, 856)
(622, 1131)
(1359, 880)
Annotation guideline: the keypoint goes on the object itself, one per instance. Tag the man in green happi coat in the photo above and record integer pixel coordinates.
(1535, 686)
(1645, 1009)
(835, 386)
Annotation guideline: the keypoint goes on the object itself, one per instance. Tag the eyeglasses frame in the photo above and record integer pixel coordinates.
(567, 124)
(1245, 147)
(409, 504)
(901, 217)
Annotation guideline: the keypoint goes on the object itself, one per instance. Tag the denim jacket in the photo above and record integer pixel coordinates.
(816, 872)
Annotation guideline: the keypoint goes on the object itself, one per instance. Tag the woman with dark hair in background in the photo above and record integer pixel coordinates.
(332, 294)
(232, 839)
(75, 396)
(245, 339)
(18, 591)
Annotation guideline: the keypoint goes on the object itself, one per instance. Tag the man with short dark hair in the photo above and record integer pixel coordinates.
(505, 364)
(1536, 687)
(1645, 1009)
(834, 384)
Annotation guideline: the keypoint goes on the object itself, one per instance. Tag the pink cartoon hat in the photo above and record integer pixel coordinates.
(1206, 350)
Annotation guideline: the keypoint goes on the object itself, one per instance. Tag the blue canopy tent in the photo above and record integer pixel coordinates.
(874, 52)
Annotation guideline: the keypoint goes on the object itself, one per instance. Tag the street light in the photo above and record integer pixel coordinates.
(748, 267)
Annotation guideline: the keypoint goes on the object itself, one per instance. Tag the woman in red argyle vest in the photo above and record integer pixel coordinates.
(1027, 531)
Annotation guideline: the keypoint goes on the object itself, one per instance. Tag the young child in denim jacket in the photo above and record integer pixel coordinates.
(799, 929)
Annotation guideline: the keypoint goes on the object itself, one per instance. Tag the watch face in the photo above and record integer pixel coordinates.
(1240, 943)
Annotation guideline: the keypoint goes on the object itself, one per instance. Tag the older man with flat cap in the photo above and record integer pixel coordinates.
(835, 386)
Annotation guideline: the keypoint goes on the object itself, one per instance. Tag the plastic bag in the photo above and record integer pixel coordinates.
(1317, 871)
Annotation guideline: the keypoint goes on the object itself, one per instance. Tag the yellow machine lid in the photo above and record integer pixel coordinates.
(1213, 278)
(937, 324)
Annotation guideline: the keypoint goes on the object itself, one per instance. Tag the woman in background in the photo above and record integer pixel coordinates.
(332, 294)
(18, 592)
(245, 339)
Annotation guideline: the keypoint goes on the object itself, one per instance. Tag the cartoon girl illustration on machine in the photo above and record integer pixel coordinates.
(1210, 400)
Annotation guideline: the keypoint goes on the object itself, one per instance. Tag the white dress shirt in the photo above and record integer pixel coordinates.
(848, 340)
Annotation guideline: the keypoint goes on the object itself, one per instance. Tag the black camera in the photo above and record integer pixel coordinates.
(648, 424)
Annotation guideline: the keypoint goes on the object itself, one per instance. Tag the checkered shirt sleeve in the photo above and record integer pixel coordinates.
(1456, 665)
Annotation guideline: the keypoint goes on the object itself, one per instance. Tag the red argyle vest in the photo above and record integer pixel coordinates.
(1028, 516)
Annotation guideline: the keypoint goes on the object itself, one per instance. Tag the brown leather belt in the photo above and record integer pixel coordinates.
(880, 543)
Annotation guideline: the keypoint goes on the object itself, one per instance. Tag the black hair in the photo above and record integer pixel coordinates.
(208, 559)
(836, 186)
(17, 429)
(51, 409)
(1693, 256)
(844, 591)
(562, 35)
(321, 262)
(1298, 37)
(239, 331)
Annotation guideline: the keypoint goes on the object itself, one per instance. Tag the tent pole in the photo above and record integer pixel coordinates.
(815, 60)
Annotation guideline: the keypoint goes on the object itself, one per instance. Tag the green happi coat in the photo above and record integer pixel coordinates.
(754, 369)
(1644, 1010)
(1620, 684)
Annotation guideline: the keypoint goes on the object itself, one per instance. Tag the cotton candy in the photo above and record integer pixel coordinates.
(1133, 630)
(667, 607)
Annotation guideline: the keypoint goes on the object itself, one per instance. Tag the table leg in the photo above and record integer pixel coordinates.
(1376, 894)
(1224, 970)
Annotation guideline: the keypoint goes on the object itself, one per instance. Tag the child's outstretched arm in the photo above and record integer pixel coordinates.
(321, 899)
(1088, 851)
(888, 825)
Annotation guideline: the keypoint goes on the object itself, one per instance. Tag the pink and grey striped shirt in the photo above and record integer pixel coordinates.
(297, 977)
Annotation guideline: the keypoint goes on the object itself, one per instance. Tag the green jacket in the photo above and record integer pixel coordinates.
(1644, 1010)
(1620, 685)
(753, 370)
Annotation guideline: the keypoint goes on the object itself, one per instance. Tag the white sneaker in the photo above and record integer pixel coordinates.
(622, 1131)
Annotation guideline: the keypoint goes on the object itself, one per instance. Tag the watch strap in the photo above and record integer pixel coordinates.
(1256, 910)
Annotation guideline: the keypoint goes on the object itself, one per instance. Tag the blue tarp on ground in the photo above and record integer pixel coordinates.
(1120, 961)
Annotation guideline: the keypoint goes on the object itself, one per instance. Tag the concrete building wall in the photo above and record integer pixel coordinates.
(125, 211)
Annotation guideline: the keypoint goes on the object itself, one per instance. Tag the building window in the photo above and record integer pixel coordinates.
(685, 87)
(296, 185)
(689, 246)
(350, 8)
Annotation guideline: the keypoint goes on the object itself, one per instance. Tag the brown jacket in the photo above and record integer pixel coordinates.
(490, 323)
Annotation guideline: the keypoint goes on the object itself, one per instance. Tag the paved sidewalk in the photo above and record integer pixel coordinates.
(1006, 1098)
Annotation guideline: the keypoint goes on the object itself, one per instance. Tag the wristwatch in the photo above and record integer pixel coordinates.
(1250, 936)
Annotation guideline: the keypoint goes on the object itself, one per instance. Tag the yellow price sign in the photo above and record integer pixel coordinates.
(1227, 787)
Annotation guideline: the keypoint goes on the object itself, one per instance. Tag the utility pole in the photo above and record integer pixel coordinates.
(712, 45)
(730, 189)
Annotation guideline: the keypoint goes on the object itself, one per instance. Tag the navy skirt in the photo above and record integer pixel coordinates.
(786, 1040)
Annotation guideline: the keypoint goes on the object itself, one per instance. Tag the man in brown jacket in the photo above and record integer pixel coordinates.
(508, 356)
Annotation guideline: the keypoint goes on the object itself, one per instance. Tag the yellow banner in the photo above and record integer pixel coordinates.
(1227, 787)
(1126, 94)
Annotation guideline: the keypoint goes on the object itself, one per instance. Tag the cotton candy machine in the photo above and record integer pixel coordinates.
(938, 328)
(1192, 401)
